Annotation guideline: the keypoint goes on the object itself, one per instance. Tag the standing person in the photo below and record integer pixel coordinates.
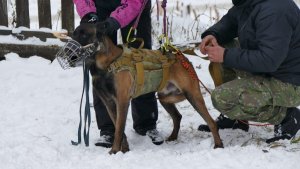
(114, 15)
(269, 53)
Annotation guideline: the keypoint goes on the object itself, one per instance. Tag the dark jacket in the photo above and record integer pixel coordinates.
(269, 35)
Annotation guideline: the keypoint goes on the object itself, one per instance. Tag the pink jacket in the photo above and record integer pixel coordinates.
(124, 14)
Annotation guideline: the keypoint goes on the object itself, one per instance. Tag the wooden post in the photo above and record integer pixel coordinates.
(44, 8)
(67, 15)
(189, 9)
(3, 13)
(22, 8)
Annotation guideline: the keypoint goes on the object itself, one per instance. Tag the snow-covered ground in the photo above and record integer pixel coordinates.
(39, 107)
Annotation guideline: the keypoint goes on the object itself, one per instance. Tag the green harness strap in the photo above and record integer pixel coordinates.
(166, 71)
(140, 73)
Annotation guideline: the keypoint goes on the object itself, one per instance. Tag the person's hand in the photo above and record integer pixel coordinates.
(208, 40)
(109, 26)
(215, 53)
(89, 18)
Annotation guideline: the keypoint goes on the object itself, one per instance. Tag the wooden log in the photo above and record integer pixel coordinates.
(25, 50)
(22, 8)
(44, 12)
(3, 13)
(67, 15)
(28, 34)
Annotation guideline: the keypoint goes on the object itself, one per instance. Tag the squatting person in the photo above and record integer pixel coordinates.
(267, 64)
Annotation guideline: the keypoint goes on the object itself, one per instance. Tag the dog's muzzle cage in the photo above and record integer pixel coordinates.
(72, 54)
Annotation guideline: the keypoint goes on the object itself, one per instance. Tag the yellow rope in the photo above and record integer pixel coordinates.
(166, 44)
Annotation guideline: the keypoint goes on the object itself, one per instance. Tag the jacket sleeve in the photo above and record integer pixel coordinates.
(226, 29)
(84, 7)
(127, 11)
(273, 35)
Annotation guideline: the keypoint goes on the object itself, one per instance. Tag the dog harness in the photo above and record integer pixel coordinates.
(150, 69)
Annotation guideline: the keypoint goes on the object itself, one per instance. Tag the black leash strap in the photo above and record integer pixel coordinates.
(87, 112)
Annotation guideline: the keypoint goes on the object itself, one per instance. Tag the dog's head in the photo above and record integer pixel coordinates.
(87, 34)
(80, 48)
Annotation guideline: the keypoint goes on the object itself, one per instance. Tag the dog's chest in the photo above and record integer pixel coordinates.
(104, 84)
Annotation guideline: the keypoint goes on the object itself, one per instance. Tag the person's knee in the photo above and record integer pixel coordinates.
(219, 99)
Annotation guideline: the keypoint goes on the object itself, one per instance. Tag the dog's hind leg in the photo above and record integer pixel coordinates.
(196, 99)
(176, 117)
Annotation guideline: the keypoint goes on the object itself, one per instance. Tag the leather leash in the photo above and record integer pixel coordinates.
(87, 111)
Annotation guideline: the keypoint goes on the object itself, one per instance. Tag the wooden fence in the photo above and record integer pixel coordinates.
(45, 20)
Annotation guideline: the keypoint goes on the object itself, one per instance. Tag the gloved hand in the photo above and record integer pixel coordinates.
(108, 27)
(89, 18)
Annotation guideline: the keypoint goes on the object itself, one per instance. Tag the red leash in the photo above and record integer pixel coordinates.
(189, 67)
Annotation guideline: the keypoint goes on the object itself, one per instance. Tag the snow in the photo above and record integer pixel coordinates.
(32, 40)
(39, 118)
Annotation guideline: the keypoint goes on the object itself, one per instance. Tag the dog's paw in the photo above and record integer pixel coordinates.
(218, 146)
(113, 151)
(125, 148)
(172, 137)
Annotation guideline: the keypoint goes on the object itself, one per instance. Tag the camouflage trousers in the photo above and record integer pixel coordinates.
(255, 98)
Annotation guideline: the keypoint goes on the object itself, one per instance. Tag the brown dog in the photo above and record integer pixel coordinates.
(115, 89)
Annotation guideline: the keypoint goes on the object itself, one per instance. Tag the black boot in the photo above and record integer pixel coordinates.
(226, 123)
(106, 140)
(289, 126)
(153, 134)
(155, 137)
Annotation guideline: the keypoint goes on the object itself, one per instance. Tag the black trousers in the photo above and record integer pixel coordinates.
(144, 108)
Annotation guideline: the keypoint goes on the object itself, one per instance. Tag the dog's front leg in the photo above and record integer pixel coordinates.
(123, 86)
(122, 109)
